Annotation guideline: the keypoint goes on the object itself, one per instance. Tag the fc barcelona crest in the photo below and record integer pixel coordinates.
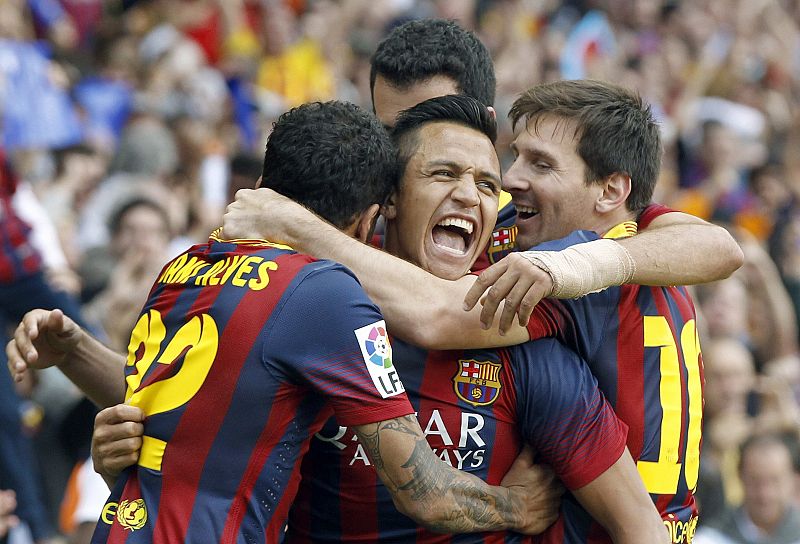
(477, 382)
(504, 241)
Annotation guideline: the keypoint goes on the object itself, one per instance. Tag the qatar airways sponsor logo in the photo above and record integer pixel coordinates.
(462, 448)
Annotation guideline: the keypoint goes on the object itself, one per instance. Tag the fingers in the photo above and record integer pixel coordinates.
(535, 294)
(497, 294)
(513, 299)
(484, 281)
(117, 438)
(16, 363)
(120, 413)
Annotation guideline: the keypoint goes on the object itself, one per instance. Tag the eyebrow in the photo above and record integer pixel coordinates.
(536, 152)
(457, 166)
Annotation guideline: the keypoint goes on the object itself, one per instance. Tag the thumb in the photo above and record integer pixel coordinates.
(55, 320)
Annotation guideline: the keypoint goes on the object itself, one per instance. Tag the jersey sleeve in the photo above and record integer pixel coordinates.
(650, 213)
(563, 415)
(333, 338)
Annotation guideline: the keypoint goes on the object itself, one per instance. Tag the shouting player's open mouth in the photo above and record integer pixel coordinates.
(451, 244)
(453, 234)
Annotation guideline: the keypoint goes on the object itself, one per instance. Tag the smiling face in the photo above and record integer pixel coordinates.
(547, 182)
(446, 208)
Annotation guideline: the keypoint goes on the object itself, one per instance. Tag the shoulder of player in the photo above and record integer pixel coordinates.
(541, 356)
(326, 280)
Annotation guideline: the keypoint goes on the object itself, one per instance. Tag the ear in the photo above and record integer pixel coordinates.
(258, 183)
(366, 223)
(616, 189)
(389, 210)
(492, 112)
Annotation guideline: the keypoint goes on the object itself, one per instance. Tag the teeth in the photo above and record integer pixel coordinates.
(456, 222)
(524, 209)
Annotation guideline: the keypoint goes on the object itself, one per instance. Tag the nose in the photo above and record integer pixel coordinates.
(466, 193)
(512, 180)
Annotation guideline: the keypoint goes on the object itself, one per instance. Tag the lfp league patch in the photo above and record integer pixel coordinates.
(377, 351)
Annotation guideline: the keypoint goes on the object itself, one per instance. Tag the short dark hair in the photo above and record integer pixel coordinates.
(333, 157)
(453, 108)
(419, 50)
(616, 130)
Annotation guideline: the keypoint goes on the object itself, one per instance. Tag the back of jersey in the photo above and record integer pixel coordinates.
(217, 416)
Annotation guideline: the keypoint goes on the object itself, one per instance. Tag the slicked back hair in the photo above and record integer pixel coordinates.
(333, 157)
(615, 130)
(453, 108)
(419, 50)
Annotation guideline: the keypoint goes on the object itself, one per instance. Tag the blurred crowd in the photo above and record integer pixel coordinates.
(128, 125)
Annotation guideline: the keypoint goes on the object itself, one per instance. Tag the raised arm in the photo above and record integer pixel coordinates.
(419, 307)
(618, 501)
(45, 338)
(707, 253)
(445, 499)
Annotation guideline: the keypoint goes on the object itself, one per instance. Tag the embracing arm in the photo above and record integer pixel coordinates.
(48, 337)
(419, 307)
(706, 253)
(445, 499)
(619, 502)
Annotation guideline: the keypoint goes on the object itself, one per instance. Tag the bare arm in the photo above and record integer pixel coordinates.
(47, 337)
(707, 253)
(419, 307)
(618, 501)
(442, 498)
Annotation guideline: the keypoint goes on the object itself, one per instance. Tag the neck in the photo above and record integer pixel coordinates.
(607, 222)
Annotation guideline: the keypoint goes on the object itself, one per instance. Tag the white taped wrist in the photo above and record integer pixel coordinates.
(585, 268)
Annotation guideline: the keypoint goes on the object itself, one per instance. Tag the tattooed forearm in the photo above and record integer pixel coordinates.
(427, 477)
(430, 491)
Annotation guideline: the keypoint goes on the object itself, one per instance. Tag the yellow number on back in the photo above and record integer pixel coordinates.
(661, 477)
(197, 341)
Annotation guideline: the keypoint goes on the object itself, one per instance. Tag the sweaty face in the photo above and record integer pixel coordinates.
(546, 182)
(389, 100)
(447, 205)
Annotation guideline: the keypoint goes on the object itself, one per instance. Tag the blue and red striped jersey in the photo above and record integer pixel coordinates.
(476, 408)
(242, 351)
(18, 257)
(642, 345)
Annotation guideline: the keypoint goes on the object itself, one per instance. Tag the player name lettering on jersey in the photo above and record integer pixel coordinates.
(251, 271)
(460, 449)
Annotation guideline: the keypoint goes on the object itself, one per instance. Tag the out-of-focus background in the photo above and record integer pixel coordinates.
(127, 126)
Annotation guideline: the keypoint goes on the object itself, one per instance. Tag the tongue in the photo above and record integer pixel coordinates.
(449, 239)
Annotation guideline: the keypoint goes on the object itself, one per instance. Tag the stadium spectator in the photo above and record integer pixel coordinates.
(769, 514)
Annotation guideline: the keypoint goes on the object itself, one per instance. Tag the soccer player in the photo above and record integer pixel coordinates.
(477, 407)
(244, 348)
(432, 57)
(588, 155)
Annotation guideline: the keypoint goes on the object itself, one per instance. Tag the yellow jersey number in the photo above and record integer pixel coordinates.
(662, 476)
(197, 341)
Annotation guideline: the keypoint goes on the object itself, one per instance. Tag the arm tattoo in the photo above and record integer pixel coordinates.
(465, 503)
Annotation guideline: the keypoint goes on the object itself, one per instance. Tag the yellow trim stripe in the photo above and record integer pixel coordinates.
(215, 236)
(625, 229)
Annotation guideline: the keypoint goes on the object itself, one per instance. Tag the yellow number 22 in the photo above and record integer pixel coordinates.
(196, 342)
